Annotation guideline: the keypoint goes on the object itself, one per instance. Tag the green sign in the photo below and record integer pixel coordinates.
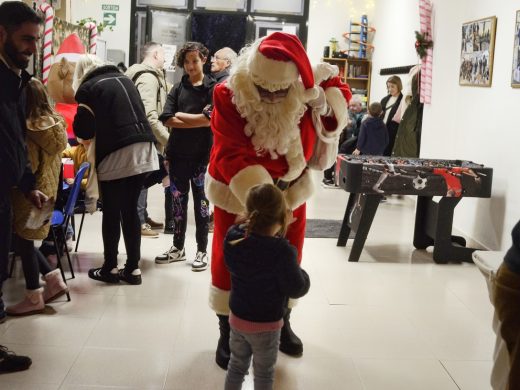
(109, 18)
(110, 7)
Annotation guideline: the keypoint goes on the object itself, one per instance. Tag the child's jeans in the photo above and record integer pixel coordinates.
(263, 347)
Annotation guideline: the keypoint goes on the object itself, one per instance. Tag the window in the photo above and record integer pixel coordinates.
(163, 3)
(227, 5)
(292, 7)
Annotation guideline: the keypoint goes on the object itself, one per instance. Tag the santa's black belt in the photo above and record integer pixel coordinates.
(284, 185)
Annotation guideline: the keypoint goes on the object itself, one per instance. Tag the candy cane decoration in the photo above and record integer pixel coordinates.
(425, 14)
(47, 40)
(93, 37)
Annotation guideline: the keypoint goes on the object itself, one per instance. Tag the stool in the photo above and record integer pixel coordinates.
(488, 263)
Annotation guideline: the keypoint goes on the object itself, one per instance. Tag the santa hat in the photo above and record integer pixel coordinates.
(278, 62)
(71, 49)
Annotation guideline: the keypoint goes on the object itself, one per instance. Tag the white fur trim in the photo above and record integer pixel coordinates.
(247, 178)
(299, 192)
(339, 105)
(311, 94)
(295, 160)
(271, 74)
(220, 195)
(219, 300)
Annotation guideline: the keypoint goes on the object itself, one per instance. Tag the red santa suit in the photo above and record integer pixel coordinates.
(236, 165)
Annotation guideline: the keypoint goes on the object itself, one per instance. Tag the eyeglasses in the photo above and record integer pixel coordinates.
(215, 58)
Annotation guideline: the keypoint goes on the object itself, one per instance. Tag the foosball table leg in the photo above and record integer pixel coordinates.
(369, 208)
(345, 226)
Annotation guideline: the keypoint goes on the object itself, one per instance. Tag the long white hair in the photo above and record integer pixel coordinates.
(85, 64)
(271, 127)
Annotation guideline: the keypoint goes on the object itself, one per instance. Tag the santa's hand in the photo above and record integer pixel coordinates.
(324, 71)
(320, 103)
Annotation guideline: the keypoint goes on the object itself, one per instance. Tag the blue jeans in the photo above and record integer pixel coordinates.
(263, 347)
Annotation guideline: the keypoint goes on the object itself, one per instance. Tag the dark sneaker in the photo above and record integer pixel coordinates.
(153, 224)
(200, 263)
(328, 183)
(171, 255)
(104, 276)
(131, 278)
(10, 362)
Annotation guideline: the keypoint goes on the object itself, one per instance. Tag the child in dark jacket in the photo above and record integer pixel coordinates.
(373, 136)
(264, 274)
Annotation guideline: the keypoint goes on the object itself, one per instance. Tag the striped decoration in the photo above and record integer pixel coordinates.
(93, 37)
(425, 13)
(47, 40)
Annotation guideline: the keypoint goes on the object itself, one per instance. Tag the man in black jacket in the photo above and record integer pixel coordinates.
(19, 32)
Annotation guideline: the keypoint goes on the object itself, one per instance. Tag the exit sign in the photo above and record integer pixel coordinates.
(110, 7)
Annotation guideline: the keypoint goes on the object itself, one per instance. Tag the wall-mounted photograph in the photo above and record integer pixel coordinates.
(515, 73)
(476, 54)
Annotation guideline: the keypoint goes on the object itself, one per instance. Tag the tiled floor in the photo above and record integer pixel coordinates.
(394, 320)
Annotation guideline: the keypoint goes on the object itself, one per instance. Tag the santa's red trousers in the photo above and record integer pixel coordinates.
(223, 220)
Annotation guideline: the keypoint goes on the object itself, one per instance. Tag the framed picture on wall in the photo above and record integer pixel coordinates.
(515, 73)
(476, 52)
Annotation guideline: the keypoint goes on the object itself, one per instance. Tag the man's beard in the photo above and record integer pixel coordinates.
(273, 126)
(15, 56)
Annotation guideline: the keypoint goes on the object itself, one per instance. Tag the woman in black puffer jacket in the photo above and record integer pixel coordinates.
(111, 110)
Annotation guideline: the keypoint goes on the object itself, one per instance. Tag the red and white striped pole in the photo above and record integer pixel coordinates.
(93, 37)
(47, 41)
(425, 13)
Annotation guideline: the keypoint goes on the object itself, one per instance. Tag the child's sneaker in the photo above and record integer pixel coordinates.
(133, 277)
(171, 255)
(328, 183)
(200, 263)
(104, 276)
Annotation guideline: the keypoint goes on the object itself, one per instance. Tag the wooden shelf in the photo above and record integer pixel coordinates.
(349, 68)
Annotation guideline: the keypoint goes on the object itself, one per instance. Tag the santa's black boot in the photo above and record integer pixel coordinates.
(290, 344)
(223, 353)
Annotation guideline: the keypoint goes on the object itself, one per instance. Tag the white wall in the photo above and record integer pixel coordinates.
(119, 38)
(463, 122)
(394, 41)
(331, 18)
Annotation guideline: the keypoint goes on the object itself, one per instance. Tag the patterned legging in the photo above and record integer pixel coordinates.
(182, 173)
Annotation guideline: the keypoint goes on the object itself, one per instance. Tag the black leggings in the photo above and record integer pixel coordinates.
(182, 173)
(120, 210)
(33, 262)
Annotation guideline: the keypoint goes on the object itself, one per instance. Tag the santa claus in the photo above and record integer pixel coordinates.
(272, 120)
(61, 74)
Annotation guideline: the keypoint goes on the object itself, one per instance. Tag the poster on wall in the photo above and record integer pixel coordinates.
(515, 74)
(476, 54)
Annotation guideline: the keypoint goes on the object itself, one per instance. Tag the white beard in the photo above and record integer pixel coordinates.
(272, 127)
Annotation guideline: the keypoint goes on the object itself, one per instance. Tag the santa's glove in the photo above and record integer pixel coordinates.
(319, 104)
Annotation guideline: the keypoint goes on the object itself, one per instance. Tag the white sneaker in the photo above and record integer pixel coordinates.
(171, 255)
(200, 263)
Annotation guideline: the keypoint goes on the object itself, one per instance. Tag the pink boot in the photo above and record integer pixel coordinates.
(55, 287)
(32, 304)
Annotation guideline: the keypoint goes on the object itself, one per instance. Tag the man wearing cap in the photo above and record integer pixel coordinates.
(270, 122)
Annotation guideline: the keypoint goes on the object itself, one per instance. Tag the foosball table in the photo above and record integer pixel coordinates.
(369, 179)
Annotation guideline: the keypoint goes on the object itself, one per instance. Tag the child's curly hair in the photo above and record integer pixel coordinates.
(191, 46)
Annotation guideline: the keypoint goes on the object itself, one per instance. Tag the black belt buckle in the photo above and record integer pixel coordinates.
(282, 184)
